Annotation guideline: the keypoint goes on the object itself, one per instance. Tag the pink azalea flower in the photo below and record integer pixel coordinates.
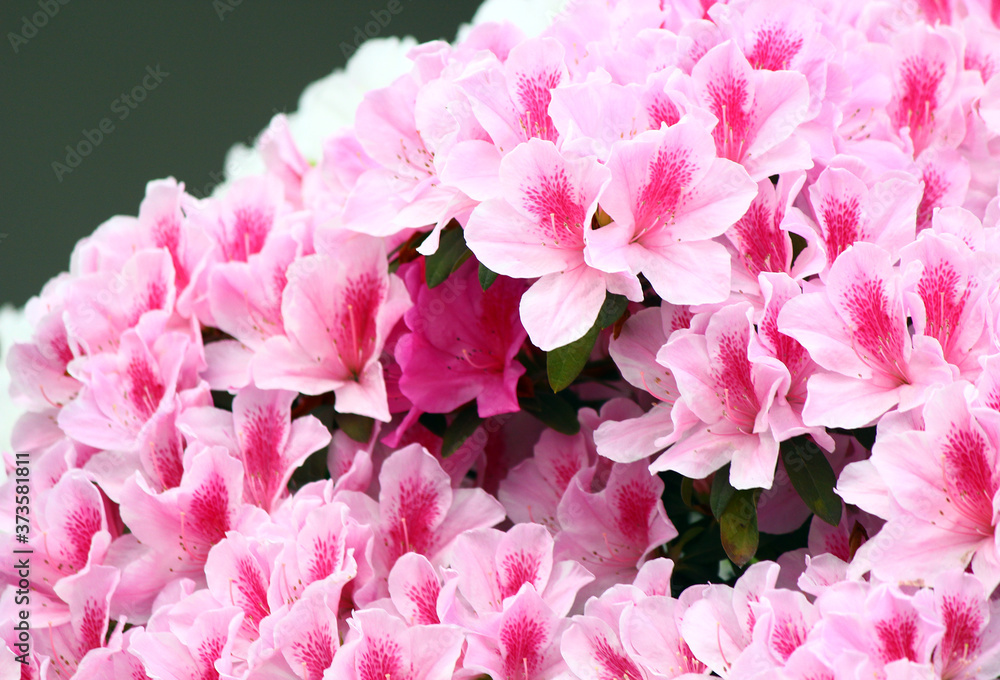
(71, 533)
(669, 196)
(87, 595)
(158, 456)
(383, 646)
(592, 651)
(261, 434)
(848, 210)
(593, 116)
(511, 99)
(777, 290)
(634, 352)
(307, 637)
(760, 239)
(732, 406)
(402, 190)
(338, 308)
(959, 444)
(415, 590)
(522, 643)
(783, 620)
(925, 109)
(236, 226)
(492, 566)
(532, 490)
(874, 631)
(720, 625)
(651, 635)
(200, 650)
(161, 224)
(418, 511)
(326, 548)
(180, 525)
(462, 343)
(611, 520)
(945, 175)
(114, 660)
(856, 330)
(245, 301)
(39, 380)
(124, 390)
(758, 111)
(238, 571)
(970, 645)
(943, 285)
(539, 228)
(103, 305)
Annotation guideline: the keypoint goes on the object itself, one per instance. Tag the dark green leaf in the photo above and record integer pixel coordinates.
(552, 410)
(677, 545)
(614, 306)
(315, 467)
(798, 244)
(450, 255)
(358, 428)
(564, 363)
(722, 492)
(812, 477)
(222, 400)
(687, 492)
(460, 429)
(486, 277)
(738, 526)
(435, 423)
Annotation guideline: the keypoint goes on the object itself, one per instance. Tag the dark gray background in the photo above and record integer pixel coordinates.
(227, 76)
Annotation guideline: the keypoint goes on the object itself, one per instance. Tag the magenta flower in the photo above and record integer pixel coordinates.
(462, 343)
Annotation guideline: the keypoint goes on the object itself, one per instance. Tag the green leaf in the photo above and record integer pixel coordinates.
(563, 364)
(435, 423)
(687, 492)
(738, 526)
(612, 309)
(460, 429)
(358, 428)
(721, 493)
(812, 477)
(486, 277)
(450, 255)
(552, 410)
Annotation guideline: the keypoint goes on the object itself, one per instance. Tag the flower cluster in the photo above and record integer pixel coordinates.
(662, 341)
